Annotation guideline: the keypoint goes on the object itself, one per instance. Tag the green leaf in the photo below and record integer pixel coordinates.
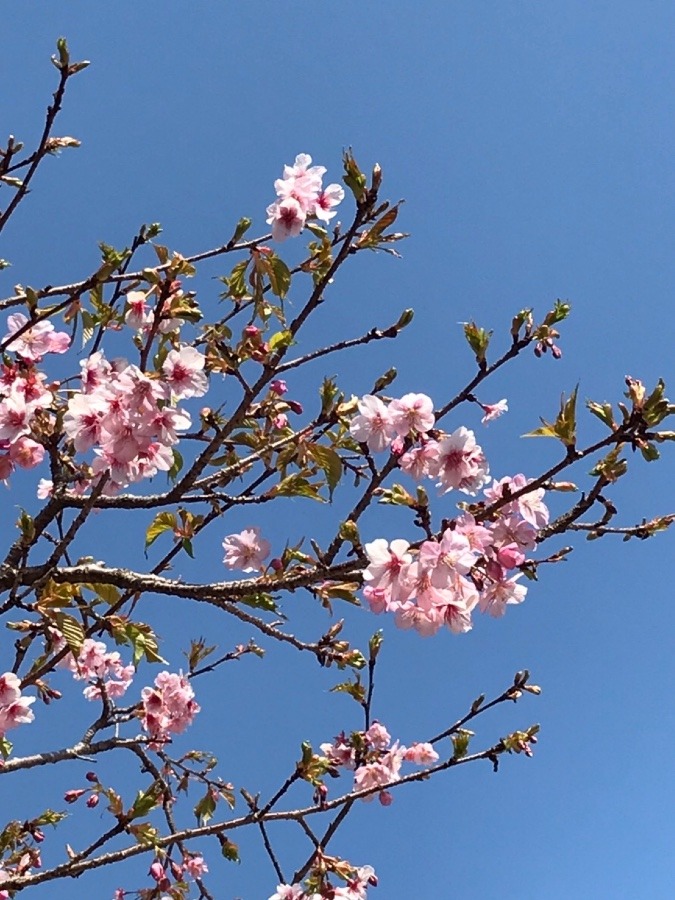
(603, 411)
(280, 340)
(176, 466)
(259, 600)
(229, 849)
(564, 427)
(107, 592)
(354, 688)
(296, 485)
(240, 230)
(461, 740)
(71, 629)
(146, 801)
(478, 339)
(328, 460)
(279, 275)
(205, 808)
(353, 177)
(163, 521)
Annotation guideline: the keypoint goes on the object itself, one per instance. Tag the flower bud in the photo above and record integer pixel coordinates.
(92, 800)
(73, 795)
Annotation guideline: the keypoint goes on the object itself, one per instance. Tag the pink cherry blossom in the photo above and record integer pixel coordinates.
(413, 413)
(184, 373)
(493, 410)
(326, 200)
(374, 425)
(246, 550)
(287, 218)
(461, 463)
(194, 866)
(37, 340)
(14, 708)
(417, 462)
(421, 754)
(168, 708)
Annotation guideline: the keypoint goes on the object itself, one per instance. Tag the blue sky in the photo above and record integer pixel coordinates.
(533, 145)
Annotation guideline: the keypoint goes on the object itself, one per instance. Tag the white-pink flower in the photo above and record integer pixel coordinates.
(246, 550)
(460, 463)
(493, 410)
(33, 343)
(374, 425)
(184, 373)
(413, 413)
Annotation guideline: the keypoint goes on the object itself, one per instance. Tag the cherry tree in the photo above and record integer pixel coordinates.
(125, 391)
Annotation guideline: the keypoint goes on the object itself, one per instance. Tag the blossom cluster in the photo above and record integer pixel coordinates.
(23, 392)
(355, 888)
(455, 460)
(301, 196)
(129, 417)
(471, 566)
(102, 669)
(375, 760)
(14, 709)
(168, 708)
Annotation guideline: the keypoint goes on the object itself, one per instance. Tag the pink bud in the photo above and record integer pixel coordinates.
(73, 795)
(276, 564)
(278, 387)
(157, 871)
(295, 406)
(386, 798)
(92, 801)
(251, 330)
(91, 776)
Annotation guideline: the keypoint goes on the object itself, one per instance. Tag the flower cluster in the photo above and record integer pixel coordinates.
(301, 197)
(471, 566)
(14, 709)
(379, 761)
(357, 883)
(103, 670)
(168, 708)
(23, 393)
(455, 460)
(129, 418)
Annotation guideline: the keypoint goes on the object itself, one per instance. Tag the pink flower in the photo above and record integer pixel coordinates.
(421, 754)
(327, 199)
(412, 413)
(183, 370)
(14, 709)
(461, 463)
(418, 461)
(493, 410)
(374, 425)
(37, 340)
(246, 550)
(288, 892)
(194, 866)
(378, 736)
(168, 708)
(286, 217)
(387, 563)
(500, 594)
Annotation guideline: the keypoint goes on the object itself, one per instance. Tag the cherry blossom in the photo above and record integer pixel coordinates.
(374, 425)
(246, 550)
(168, 708)
(14, 709)
(36, 341)
(493, 410)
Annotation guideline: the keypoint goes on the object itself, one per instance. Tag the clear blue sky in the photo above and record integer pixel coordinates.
(533, 142)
